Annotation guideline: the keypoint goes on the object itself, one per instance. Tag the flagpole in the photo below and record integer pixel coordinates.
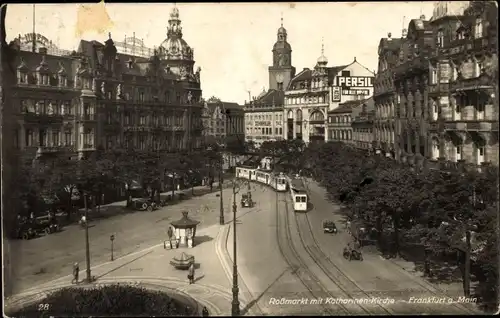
(33, 48)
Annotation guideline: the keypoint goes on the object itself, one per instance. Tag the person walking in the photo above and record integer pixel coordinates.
(191, 273)
(204, 312)
(76, 272)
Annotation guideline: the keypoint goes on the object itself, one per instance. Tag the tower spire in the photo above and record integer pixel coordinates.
(33, 47)
(281, 19)
(322, 46)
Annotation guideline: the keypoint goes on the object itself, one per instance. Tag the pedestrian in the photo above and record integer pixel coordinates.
(191, 273)
(76, 272)
(204, 312)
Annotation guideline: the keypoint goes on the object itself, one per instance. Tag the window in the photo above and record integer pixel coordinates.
(55, 138)
(86, 83)
(440, 38)
(346, 73)
(142, 120)
(29, 139)
(434, 75)
(478, 68)
(478, 28)
(68, 137)
(42, 138)
(88, 138)
(480, 110)
(141, 96)
(22, 77)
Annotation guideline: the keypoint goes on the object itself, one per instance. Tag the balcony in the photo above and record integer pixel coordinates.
(42, 118)
(41, 150)
(296, 91)
(442, 88)
(471, 126)
(482, 82)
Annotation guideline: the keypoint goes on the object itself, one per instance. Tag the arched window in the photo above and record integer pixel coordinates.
(298, 115)
(317, 116)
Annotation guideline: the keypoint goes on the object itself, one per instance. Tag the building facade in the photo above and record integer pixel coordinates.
(97, 97)
(264, 118)
(363, 119)
(339, 122)
(411, 78)
(385, 97)
(264, 113)
(445, 80)
(223, 119)
(464, 116)
(312, 93)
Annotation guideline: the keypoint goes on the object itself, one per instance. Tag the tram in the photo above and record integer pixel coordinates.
(277, 181)
(298, 193)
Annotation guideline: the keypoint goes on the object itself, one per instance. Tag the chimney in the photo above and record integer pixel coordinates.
(42, 50)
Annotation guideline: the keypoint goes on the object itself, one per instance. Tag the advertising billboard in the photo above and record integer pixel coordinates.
(354, 81)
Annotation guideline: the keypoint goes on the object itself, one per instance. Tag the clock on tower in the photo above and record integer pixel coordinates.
(279, 78)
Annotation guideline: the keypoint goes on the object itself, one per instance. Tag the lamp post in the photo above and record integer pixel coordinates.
(235, 304)
(87, 244)
(112, 238)
(221, 216)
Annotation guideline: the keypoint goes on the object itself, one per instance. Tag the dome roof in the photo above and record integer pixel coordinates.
(281, 45)
(176, 49)
(281, 30)
(322, 59)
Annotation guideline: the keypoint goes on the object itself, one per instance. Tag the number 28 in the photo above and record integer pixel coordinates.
(43, 307)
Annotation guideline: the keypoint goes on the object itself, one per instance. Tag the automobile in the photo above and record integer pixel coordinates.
(143, 204)
(329, 227)
(351, 253)
(246, 201)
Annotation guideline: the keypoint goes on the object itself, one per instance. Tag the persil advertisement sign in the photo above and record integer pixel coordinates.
(351, 86)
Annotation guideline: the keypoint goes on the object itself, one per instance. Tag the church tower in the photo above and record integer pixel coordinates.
(282, 71)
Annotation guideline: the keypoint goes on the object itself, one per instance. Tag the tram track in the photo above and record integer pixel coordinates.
(343, 281)
(315, 288)
(334, 273)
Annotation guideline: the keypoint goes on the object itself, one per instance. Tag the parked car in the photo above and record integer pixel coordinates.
(144, 204)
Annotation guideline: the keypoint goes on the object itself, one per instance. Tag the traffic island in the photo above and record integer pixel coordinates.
(107, 300)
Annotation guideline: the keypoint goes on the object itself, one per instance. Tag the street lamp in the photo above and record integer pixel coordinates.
(221, 216)
(87, 244)
(235, 304)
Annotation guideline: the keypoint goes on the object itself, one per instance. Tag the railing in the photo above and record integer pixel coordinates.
(42, 118)
(471, 83)
(53, 149)
(439, 88)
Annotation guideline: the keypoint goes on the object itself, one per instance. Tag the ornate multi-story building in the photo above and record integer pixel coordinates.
(464, 115)
(97, 97)
(446, 84)
(411, 76)
(264, 114)
(385, 97)
(312, 93)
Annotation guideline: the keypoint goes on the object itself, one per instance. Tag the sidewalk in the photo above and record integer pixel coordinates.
(150, 268)
(110, 209)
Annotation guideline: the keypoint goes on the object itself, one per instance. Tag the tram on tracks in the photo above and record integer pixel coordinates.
(298, 193)
(277, 181)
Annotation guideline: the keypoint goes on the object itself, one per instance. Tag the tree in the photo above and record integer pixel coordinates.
(115, 300)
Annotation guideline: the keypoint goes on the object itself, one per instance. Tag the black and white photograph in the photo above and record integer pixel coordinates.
(250, 159)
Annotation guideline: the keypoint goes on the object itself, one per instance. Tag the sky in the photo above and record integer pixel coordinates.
(232, 42)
